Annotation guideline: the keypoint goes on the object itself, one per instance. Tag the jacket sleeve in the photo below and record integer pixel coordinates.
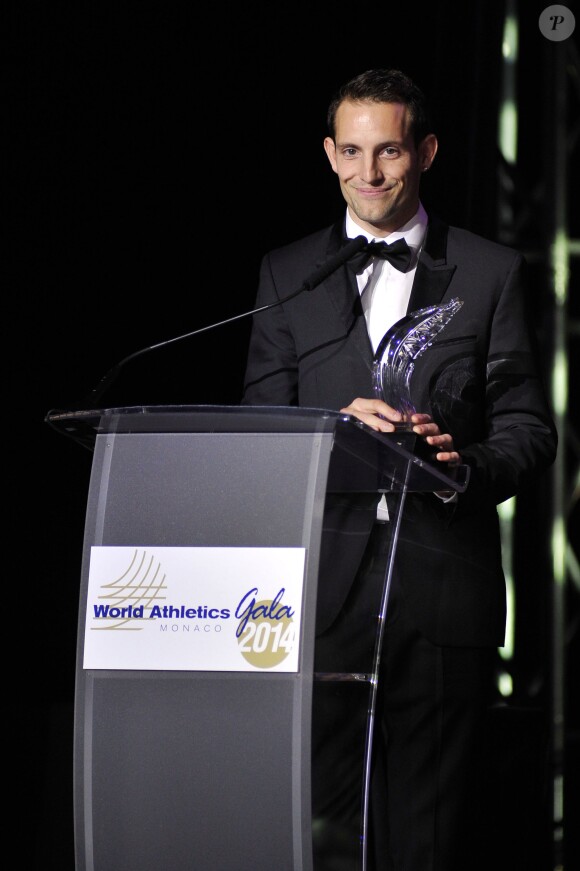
(521, 438)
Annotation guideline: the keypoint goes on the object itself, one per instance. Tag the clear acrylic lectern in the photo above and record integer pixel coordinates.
(207, 547)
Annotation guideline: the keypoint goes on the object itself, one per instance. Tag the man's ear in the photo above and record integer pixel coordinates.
(427, 151)
(330, 149)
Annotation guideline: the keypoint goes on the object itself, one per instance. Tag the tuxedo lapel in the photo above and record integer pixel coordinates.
(431, 281)
(433, 272)
(342, 291)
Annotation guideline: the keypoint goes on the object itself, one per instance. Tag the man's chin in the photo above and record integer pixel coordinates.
(377, 219)
(378, 213)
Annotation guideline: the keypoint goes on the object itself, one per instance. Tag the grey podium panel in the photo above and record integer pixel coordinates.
(234, 489)
(193, 771)
(187, 777)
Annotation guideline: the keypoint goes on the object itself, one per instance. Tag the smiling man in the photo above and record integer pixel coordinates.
(481, 403)
(378, 163)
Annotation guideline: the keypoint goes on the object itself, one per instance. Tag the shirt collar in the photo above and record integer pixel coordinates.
(413, 231)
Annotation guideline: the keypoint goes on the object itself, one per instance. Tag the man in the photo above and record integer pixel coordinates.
(481, 403)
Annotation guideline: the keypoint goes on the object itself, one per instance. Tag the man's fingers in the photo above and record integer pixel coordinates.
(372, 406)
(374, 412)
(452, 458)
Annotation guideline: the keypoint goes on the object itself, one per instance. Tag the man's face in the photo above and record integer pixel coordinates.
(377, 163)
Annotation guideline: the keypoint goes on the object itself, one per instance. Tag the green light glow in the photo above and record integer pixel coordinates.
(508, 113)
(508, 130)
(560, 261)
(506, 511)
(509, 46)
(505, 684)
(559, 547)
(560, 382)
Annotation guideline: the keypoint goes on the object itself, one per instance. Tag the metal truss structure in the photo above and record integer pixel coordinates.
(538, 138)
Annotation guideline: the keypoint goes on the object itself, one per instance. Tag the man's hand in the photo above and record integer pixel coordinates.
(380, 416)
(375, 413)
(424, 426)
(442, 442)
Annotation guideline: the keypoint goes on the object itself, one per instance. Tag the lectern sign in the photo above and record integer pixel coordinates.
(194, 608)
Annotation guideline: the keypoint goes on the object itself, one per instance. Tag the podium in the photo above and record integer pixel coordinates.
(205, 539)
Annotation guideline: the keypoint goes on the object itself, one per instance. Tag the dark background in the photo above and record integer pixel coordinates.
(157, 154)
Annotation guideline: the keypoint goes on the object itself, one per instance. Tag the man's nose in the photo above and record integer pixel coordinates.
(371, 171)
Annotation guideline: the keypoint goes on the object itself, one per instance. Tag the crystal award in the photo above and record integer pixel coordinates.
(398, 351)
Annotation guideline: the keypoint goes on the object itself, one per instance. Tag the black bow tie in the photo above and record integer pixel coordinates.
(398, 253)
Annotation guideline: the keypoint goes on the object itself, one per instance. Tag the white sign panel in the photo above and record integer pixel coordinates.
(194, 608)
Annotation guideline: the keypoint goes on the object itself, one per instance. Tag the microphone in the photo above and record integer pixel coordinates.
(313, 280)
(331, 265)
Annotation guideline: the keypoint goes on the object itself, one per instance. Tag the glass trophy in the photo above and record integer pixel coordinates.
(398, 351)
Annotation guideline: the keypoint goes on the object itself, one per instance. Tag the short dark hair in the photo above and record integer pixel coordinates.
(384, 86)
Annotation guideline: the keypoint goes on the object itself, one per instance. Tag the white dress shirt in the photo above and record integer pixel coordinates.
(385, 290)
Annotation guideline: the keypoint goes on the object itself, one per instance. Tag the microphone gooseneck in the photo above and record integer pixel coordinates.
(332, 264)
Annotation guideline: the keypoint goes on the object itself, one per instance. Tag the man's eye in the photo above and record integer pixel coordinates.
(349, 152)
(391, 151)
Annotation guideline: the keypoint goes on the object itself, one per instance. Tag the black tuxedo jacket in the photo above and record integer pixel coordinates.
(479, 381)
